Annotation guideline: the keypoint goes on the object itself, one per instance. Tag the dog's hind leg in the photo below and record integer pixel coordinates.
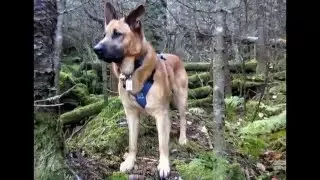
(132, 116)
(164, 128)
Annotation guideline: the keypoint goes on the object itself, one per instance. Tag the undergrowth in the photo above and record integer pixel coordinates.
(209, 166)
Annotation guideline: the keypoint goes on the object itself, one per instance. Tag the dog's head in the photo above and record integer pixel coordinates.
(122, 37)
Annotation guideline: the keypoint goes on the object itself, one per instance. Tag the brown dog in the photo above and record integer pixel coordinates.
(147, 83)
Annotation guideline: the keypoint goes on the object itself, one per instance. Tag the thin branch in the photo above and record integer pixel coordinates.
(49, 105)
(56, 97)
(94, 18)
(263, 91)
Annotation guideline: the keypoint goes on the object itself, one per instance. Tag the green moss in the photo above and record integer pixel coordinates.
(71, 60)
(267, 126)
(264, 110)
(91, 79)
(48, 145)
(280, 88)
(66, 81)
(198, 80)
(82, 112)
(93, 98)
(209, 166)
(200, 92)
(252, 77)
(251, 145)
(232, 105)
(103, 134)
(80, 93)
(118, 176)
(204, 102)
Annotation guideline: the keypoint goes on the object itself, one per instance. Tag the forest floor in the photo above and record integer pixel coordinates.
(96, 135)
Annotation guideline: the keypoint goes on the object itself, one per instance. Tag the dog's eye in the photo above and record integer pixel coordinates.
(104, 34)
(116, 34)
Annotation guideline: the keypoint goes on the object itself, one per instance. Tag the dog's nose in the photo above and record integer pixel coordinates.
(98, 49)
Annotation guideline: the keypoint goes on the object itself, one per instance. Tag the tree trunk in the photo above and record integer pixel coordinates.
(58, 47)
(219, 86)
(261, 49)
(227, 76)
(49, 155)
(43, 46)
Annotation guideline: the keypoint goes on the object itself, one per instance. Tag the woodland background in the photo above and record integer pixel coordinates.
(237, 45)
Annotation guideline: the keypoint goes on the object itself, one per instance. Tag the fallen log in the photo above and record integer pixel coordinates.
(203, 79)
(266, 126)
(80, 113)
(199, 93)
(204, 102)
(198, 80)
(199, 66)
(281, 76)
(250, 66)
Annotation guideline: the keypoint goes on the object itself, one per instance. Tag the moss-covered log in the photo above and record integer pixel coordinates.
(266, 126)
(203, 79)
(250, 66)
(198, 80)
(236, 83)
(103, 134)
(264, 110)
(204, 102)
(200, 66)
(281, 76)
(200, 92)
(49, 156)
(80, 113)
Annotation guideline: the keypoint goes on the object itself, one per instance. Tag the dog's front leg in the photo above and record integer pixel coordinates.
(132, 116)
(163, 126)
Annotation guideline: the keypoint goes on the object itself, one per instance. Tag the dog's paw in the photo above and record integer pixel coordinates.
(183, 140)
(164, 168)
(127, 165)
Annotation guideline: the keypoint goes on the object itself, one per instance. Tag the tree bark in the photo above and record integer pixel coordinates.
(261, 49)
(227, 76)
(218, 75)
(49, 150)
(58, 47)
(43, 48)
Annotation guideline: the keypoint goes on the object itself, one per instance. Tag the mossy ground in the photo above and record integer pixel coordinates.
(48, 157)
(99, 146)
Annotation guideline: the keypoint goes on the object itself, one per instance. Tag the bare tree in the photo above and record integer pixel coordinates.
(58, 45)
(261, 48)
(219, 83)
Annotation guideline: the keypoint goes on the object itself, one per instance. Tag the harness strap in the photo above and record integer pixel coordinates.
(141, 97)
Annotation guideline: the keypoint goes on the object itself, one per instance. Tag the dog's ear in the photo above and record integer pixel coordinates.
(133, 18)
(109, 13)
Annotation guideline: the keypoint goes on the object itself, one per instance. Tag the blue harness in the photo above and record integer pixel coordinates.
(141, 97)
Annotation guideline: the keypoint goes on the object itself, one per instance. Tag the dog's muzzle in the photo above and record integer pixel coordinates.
(108, 54)
(99, 49)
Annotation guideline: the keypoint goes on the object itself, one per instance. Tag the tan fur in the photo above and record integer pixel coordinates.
(170, 83)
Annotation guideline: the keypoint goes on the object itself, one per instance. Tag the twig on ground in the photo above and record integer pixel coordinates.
(78, 130)
(72, 171)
